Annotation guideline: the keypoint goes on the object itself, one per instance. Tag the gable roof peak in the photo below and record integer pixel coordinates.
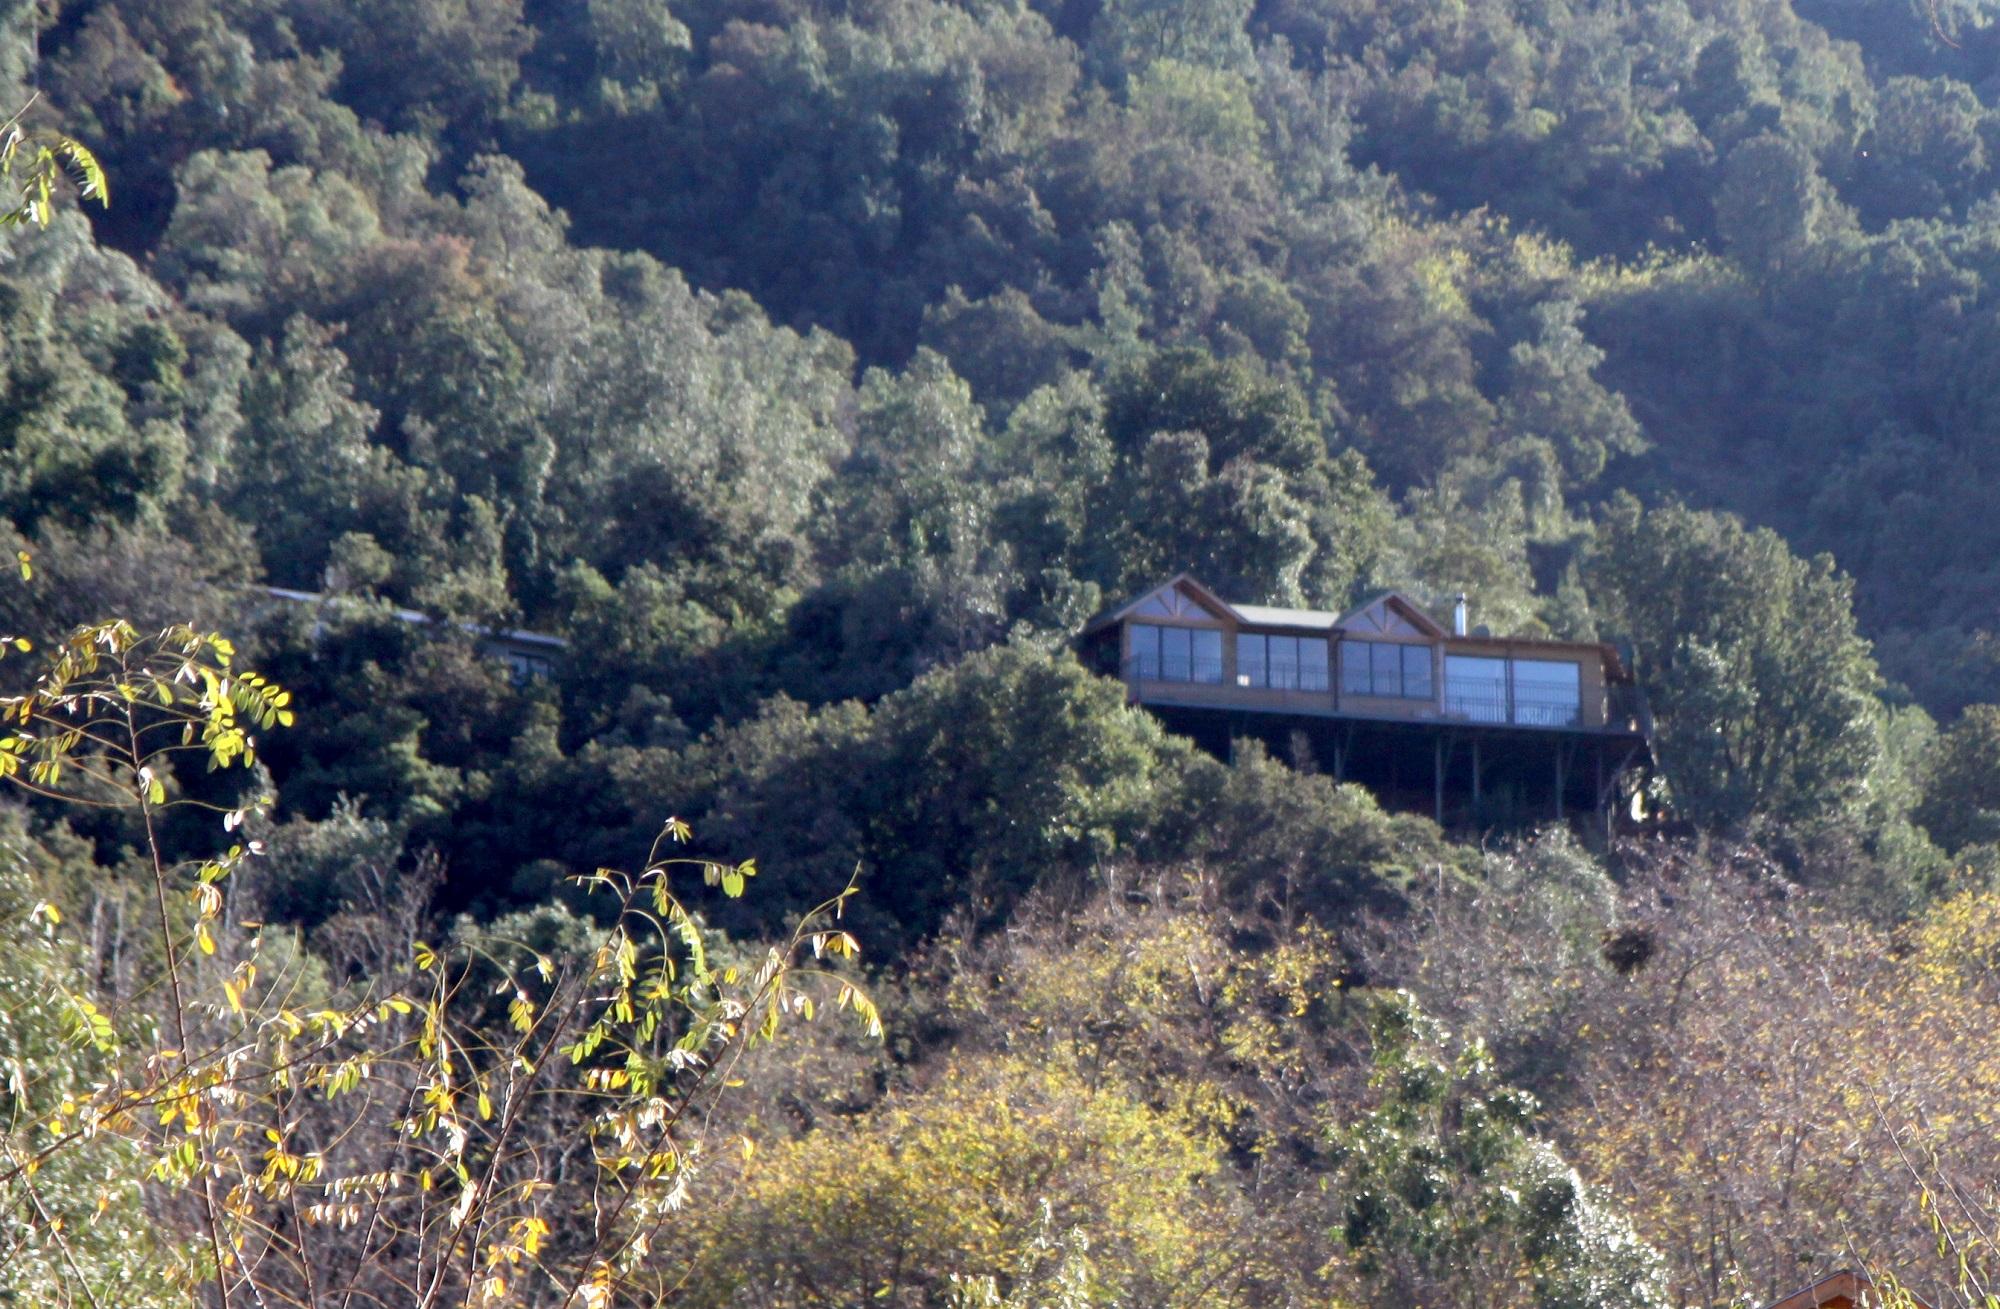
(1184, 583)
(1358, 618)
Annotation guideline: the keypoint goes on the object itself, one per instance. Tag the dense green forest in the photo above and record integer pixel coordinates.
(816, 369)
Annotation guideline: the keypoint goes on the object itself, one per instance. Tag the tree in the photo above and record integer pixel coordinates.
(392, 1140)
(960, 1178)
(1553, 394)
(1768, 1085)
(1449, 1199)
(1961, 801)
(1298, 844)
(1132, 36)
(117, 1245)
(1773, 206)
(75, 446)
(1762, 691)
(1226, 473)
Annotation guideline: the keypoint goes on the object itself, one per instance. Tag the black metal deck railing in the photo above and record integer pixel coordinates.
(1209, 672)
(1155, 668)
(1523, 713)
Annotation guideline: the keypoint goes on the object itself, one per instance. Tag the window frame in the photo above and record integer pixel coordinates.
(1150, 658)
(1428, 661)
(1456, 701)
(1309, 657)
(1253, 670)
(1360, 675)
(1546, 711)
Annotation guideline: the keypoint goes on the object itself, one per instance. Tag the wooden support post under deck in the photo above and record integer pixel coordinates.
(1603, 810)
(1437, 794)
(1562, 780)
(1609, 789)
(1475, 777)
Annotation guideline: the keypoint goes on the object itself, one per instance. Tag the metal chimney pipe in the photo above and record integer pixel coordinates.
(1458, 616)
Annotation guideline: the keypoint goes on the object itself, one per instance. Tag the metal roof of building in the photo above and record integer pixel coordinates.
(1319, 620)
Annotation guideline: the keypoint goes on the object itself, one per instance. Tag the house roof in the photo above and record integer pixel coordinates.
(516, 636)
(1398, 601)
(1317, 620)
(1320, 620)
(1207, 598)
(1846, 1288)
(1308, 620)
(1311, 620)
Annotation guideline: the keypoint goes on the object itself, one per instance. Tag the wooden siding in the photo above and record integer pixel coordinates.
(1392, 706)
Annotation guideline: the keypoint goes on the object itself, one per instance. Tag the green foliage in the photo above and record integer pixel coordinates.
(963, 1178)
(76, 447)
(1141, 35)
(1302, 843)
(47, 1050)
(1227, 475)
(1446, 1189)
(1761, 688)
(817, 372)
(277, 1119)
(1015, 769)
(45, 160)
(1030, 190)
(1960, 806)
(1772, 205)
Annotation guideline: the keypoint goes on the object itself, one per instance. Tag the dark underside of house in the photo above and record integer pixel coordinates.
(1465, 775)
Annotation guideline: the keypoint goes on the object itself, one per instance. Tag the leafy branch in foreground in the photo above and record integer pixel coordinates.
(37, 161)
(497, 1123)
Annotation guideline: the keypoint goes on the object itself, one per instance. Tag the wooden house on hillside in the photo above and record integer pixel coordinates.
(1476, 728)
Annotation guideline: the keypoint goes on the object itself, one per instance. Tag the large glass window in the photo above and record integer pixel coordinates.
(1385, 663)
(1417, 672)
(1284, 661)
(1312, 664)
(1532, 692)
(1175, 654)
(1356, 675)
(1547, 692)
(1385, 668)
(1289, 663)
(1251, 650)
(1143, 644)
(1207, 665)
(1475, 687)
